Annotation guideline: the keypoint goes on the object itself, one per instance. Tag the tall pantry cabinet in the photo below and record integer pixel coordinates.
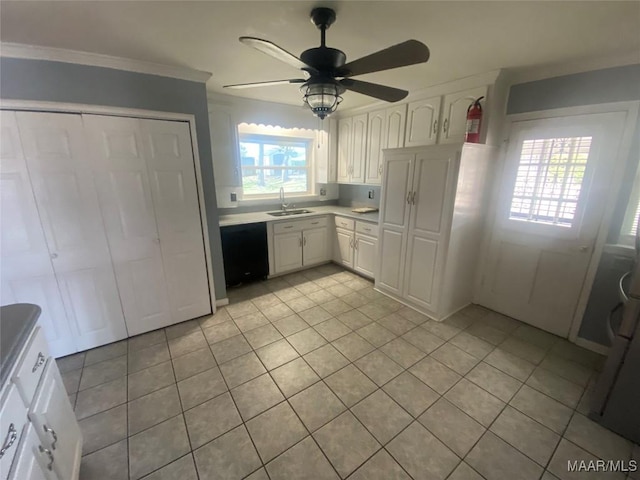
(432, 207)
(100, 225)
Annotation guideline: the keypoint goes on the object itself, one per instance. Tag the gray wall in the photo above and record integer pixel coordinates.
(617, 84)
(358, 196)
(40, 80)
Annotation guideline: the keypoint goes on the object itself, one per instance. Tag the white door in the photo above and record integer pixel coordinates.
(345, 145)
(315, 246)
(56, 423)
(359, 151)
(454, 113)
(394, 220)
(124, 193)
(430, 205)
(556, 184)
(26, 271)
(344, 247)
(422, 122)
(366, 252)
(375, 144)
(171, 169)
(60, 171)
(287, 251)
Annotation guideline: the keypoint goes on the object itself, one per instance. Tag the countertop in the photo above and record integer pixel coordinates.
(16, 324)
(255, 217)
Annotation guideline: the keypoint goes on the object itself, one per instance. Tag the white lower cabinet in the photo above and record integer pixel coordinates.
(366, 249)
(299, 244)
(33, 459)
(356, 245)
(41, 436)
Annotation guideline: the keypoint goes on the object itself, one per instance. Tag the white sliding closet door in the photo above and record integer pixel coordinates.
(26, 270)
(170, 162)
(62, 180)
(130, 222)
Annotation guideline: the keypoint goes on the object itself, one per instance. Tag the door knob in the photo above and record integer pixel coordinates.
(583, 248)
(53, 256)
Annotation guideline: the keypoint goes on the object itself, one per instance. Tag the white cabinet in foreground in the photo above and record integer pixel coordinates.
(297, 244)
(355, 245)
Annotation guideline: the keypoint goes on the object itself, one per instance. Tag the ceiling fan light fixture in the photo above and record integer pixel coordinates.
(322, 98)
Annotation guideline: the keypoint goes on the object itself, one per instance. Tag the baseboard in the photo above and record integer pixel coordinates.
(593, 346)
(222, 302)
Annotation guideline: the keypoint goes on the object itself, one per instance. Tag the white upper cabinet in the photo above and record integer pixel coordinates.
(422, 122)
(359, 151)
(225, 153)
(345, 147)
(395, 120)
(454, 113)
(375, 145)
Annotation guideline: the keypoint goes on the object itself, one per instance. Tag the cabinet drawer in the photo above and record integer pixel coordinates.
(367, 228)
(13, 417)
(32, 461)
(31, 365)
(287, 227)
(343, 222)
(315, 222)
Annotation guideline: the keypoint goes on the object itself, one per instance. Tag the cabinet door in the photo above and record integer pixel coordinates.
(394, 220)
(32, 462)
(345, 147)
(395, 121)
(454, 114)
(343, 251)
(359, 154)
(56, 424)
(365, 255)
(326, 152)
(129, 217)
(64, 187)
(422, 122)
(315, 246)
(287, 251)
(375, 144)
(224, 147)
(430, 205)
(25, 266)
(171, 169)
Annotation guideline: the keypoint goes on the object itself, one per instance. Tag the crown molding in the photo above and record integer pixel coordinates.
(35, 52)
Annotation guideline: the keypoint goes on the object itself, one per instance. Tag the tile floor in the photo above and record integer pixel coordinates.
(317, 376)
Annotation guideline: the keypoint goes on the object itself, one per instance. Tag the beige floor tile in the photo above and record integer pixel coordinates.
(211, 419)
(412, 394)
(497, 460)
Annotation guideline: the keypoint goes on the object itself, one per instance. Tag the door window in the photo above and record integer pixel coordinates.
(549, 180)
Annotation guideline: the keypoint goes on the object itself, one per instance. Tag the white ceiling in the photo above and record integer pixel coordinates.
(465, 38)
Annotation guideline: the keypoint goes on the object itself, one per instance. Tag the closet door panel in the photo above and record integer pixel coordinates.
(170, 164)
(130, 222)
(63, 185)
(26, 270)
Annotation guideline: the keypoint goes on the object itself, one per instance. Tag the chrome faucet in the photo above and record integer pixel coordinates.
(284, 205)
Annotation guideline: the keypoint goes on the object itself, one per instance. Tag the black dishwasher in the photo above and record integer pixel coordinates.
(244, 248)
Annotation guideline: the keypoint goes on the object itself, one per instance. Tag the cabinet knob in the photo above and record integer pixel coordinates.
(435, 127)
(156, 240)
(380, 169)
(53, 256)
(53, 434)
(49, 454)
(12, 435)
(445, 125)
(409, 198)
(39, 361)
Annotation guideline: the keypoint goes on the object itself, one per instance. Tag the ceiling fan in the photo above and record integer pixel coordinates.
(327, 75)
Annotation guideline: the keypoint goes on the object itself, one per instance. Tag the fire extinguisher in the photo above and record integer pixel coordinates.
(474, 120)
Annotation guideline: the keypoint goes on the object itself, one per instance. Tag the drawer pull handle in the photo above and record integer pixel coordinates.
(304, 240)
(53, 434)
(49, 454)
(39, 362)
(10, 440)
(315, 223)
(288, 226)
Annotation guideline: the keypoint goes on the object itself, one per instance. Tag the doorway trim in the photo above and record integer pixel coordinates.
(631, 109)
(63, 107)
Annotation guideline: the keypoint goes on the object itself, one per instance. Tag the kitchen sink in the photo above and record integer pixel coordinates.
(286, 213)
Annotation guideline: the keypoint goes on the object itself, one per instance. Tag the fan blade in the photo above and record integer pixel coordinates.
(265, 84)
(276, 52)
(382, 92)
(400, 55)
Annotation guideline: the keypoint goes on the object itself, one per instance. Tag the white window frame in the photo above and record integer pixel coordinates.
(245, 130)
